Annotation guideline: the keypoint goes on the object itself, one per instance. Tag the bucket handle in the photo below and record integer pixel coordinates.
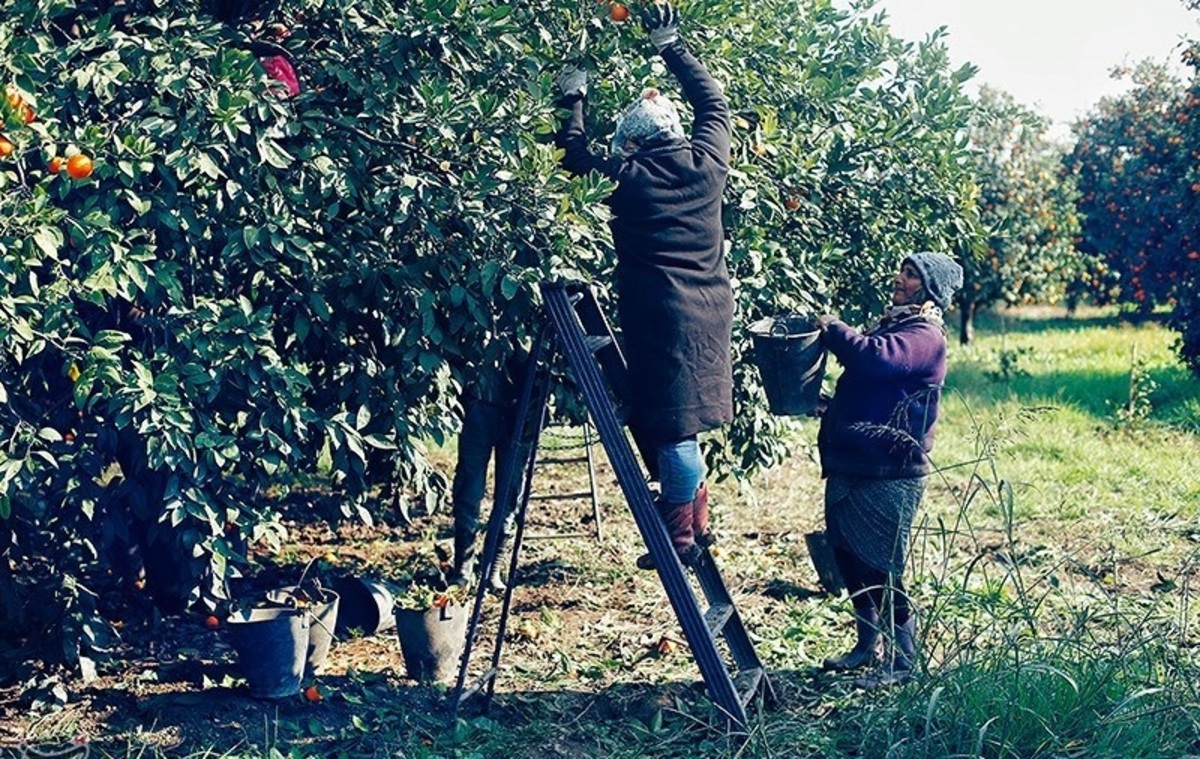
(778, 328)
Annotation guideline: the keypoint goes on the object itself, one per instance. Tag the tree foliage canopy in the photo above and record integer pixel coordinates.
(249, 280)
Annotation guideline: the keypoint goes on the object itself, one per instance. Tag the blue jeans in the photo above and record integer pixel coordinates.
(680, 470)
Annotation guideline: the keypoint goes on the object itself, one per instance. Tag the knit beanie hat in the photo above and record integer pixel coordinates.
(651, 120)
(940, 275)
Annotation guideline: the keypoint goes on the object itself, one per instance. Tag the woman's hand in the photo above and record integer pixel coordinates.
(661, 22)
(824, 321)
(571, 83)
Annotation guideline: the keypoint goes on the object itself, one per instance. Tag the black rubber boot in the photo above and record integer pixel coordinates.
(678, 519)
(898, 661)
(866, 651)
(495, 579)
(463, 569)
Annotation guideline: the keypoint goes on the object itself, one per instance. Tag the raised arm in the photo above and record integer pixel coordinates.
(578, 157)
(711, 125)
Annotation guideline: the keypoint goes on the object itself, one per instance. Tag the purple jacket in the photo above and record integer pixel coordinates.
(880, 421)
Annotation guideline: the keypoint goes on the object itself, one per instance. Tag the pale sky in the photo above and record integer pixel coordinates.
(1053, 55)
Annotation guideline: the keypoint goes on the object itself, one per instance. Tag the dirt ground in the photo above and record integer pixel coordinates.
(588, 634)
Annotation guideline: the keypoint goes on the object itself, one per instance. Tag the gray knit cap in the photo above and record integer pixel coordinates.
(652, 119)
(940, 274)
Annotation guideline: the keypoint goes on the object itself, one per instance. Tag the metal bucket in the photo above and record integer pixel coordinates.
(322, 606)
(432, 641)
(366, 606)
(791, 360)
(271, 645)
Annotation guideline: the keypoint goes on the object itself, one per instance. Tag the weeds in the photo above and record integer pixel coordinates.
(1025, 661)
(1133, 414)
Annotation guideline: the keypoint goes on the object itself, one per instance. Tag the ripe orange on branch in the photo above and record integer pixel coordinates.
(79, 166)
(618, 12)
(6, 147)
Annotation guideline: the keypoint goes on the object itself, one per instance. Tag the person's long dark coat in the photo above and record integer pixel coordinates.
(675, 302)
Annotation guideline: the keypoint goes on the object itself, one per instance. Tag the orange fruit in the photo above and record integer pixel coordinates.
(79, 166)
(791, 204)
(69, 437)
(27, 114)
(618, 12)
(14, 100)
(312, 694)
(6, 147)
(55, 165)
(211, 622)
(139, 584)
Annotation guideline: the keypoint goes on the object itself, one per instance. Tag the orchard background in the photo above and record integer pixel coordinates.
(213, 293)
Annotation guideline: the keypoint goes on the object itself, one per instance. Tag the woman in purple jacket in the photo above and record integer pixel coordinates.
(874, 442)
(675, 302)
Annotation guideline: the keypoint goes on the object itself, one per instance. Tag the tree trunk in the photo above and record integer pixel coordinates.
(966, 332)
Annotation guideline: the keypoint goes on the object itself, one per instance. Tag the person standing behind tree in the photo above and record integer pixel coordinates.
(489, 411)
(874, 442)
(675, 304)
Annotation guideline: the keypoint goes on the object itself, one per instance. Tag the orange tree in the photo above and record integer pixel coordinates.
(1027, 206)
(1132, 170)
(248, 284)
(1186, 316)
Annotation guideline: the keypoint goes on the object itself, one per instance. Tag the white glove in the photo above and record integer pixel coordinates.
(572, 82)
(661, 21)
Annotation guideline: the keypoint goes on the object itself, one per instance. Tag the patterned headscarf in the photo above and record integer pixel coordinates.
(651, 120)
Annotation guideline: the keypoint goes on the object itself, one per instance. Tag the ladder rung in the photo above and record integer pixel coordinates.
(561, 496)
(559, 536)
(716, 617)
(478, 686)
(563, 460)
(747, 683)
(596, 342)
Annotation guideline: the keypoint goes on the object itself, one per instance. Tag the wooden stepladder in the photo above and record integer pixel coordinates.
(576, 329)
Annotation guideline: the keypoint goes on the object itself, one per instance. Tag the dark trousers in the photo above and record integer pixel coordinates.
(487, 428)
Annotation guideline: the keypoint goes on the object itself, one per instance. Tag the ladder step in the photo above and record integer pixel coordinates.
(563, 460)
(747, 683)
(560, 536)
(560, 496)
(596, 342)
(716, 617)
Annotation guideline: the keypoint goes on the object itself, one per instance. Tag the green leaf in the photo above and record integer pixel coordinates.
(270, 152)
(48, 240)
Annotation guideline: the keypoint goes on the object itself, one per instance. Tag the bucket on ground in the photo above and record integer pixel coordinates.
(365, 607)
(432, 641)
(271, 646)
(321, 604)
(791, 360)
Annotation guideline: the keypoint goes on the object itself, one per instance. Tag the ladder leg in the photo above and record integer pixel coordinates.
(591, 468)
(517, 541)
